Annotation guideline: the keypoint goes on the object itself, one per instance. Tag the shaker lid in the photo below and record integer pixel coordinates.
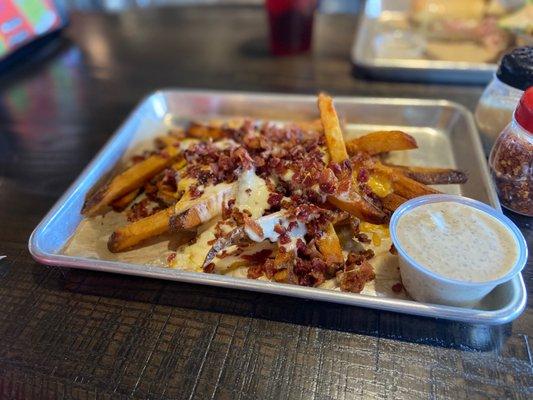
(524, 111)
(516, 68)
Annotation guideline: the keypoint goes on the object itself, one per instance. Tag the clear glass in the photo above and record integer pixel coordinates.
(511, 166)
(495, 110)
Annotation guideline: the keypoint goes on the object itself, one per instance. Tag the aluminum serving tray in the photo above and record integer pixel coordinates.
(445, 132)
(419, 69)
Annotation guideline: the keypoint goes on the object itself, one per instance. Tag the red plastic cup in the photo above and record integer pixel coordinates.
(291, 25)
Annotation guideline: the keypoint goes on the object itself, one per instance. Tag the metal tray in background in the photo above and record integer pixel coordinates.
(419, 69)
(445, 132)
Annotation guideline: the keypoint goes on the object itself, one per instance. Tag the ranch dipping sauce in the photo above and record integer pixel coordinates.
(457, 241)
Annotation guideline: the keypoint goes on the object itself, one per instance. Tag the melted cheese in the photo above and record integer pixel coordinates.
(191, 257)
(380, 185)
(252, 194)
(379, 232)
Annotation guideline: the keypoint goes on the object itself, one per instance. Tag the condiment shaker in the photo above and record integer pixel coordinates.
(511, 159)
(498, 102)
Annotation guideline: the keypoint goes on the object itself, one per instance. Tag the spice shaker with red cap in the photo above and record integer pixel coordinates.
(511, 159)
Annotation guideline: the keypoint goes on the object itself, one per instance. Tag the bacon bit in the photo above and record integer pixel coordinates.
(284, 239)
(361, 237)
(255, 271)
(367, 254)
(328, 181)
(257, 258)
(142, 209)
(227, 208)
(209, 268)
(393, 250)
(212, 241)
(363, 175)
(279, 229)
(171, 257)
(194, 191)
(254, 226)
(397, 287)
(355, 280)
(274, 199)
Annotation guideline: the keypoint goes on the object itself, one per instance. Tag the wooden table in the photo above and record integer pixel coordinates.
(83, 335)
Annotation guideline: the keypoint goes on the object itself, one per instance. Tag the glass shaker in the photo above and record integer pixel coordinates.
(511, 159)
(498, 102)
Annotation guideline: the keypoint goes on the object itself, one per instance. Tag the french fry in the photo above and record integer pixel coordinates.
(191, 213)
(332, 129)
(402, 185)
(392, 201)
(132, 234)
(381, 142)
(329, 246)
(281, 276)
(122, 202)
(204, 131)
(129, 180)
(431, 175)
(358, 207)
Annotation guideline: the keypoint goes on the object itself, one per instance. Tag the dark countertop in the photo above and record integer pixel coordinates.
(79, 334)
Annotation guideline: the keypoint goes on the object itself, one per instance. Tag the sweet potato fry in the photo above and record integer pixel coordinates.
(392, 201)
(332, 129)
(129, 180)
(191, 213)
(431, 175)
(122, 202)
(132, 234)
(402, 185)
(329, 246)
(381, 142)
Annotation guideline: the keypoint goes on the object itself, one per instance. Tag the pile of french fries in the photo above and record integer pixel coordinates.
(179, 210)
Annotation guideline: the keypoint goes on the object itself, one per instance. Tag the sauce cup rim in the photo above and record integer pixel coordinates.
(442, 198)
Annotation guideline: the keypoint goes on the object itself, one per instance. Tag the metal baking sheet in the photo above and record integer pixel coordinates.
(419, 69)
(445, 131)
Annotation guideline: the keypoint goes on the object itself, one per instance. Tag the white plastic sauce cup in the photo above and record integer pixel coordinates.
(429, 287)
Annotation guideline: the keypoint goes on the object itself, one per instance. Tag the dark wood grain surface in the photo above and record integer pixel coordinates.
(85, 335)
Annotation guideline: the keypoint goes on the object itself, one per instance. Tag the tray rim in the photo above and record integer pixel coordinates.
(459, 71)
(488, 317)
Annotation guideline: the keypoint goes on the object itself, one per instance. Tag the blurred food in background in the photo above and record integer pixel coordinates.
(452, 30)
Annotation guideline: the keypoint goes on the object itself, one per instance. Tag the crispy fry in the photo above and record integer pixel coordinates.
(431, 175)
(214, 129)
(392, 201)
(122, 202)
(282, 275)
(381, 142)
(359, 208)
(132, 234)
(329, 246)
(129, 180)
(191, 213)
(203, 131)
(402, 185)
(332, 129)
